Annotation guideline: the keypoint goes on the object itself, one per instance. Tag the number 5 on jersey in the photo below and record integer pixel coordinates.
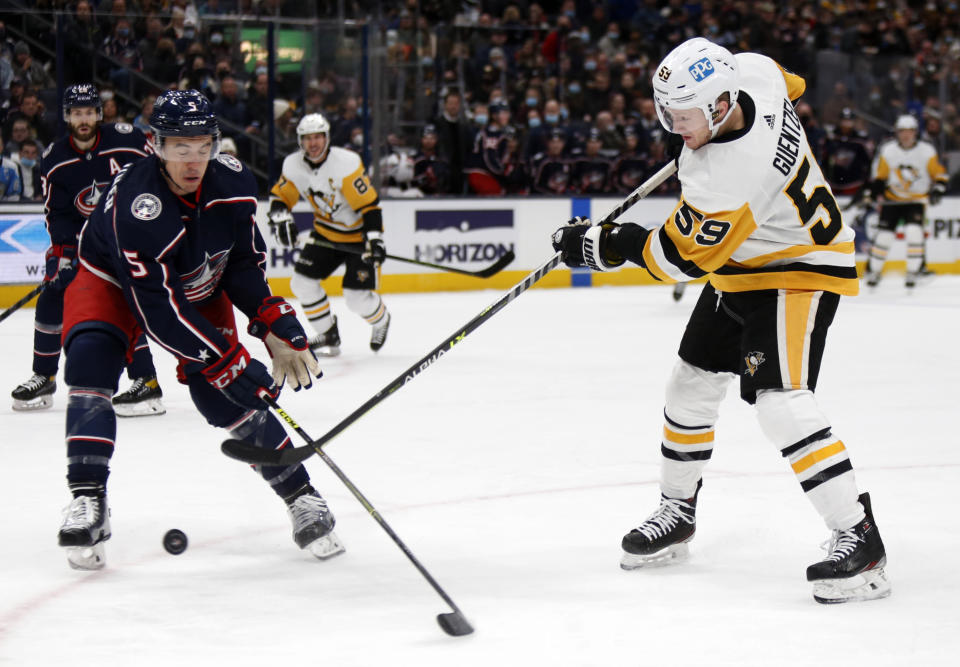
(821, 233)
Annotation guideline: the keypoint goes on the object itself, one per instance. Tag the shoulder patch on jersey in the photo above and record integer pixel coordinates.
(123, 128)
(146, 207)
(230, 161)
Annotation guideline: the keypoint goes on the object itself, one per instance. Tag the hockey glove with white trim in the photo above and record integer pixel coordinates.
(374, 250)
(241, 378)
(282, 225)
(61, 264)
(581, 244)
(276, 324)
(937, 192)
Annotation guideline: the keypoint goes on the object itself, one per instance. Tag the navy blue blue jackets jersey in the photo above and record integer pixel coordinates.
(74, 180)
(171, 254)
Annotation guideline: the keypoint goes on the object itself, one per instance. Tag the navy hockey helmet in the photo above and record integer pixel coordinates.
(82, 95)
(183, 113)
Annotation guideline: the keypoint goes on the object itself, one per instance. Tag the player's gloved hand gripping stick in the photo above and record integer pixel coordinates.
(249, 453)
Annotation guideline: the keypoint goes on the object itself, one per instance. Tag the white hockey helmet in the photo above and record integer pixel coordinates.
(907, 122)
(313, 123)
(693, 76)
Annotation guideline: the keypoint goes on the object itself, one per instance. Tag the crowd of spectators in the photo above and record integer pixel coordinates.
(507, 96)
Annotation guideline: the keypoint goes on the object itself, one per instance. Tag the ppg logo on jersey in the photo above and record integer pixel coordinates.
(701, 69)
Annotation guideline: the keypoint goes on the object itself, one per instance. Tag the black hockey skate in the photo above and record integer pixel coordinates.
(327, 344)
(313, 524)
(853, 568)
(86, 526)
(142, 399)
(379, 335)
(36, 393)
(663, 536)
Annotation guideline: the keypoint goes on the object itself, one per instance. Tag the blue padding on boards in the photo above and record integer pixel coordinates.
(581, 277)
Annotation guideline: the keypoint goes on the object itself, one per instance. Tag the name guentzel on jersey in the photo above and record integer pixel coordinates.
(788, 145)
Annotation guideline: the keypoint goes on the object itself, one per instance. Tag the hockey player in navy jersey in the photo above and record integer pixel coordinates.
(170, 250)
(76, 170)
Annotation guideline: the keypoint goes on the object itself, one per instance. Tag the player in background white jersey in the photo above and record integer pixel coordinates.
(756, 215)
(906, 173)
(346, 211)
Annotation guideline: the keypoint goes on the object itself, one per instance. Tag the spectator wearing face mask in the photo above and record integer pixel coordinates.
(454, 137)
(123, 54)
(10, 184)
(28, 160)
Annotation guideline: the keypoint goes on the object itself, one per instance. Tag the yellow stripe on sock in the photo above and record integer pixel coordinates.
(820, 455)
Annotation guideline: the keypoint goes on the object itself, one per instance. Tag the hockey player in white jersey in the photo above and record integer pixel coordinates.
(346, 212)
(757, 216)
(906, 173)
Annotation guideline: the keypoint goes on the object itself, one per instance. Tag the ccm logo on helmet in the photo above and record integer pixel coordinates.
(701, 69)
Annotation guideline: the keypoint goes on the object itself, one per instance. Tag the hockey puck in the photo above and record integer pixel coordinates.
(175, 541)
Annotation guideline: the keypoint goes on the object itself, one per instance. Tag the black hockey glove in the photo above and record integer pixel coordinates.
(374, 250)
(282, 226)
(243, 379)
(937, 192)
(581, 244)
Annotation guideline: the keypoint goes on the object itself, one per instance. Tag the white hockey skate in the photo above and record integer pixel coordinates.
(35, 394)
(313, 524)
(142, 399)
(86, 526)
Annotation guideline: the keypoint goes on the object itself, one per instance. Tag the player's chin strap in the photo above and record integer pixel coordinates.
(163, 170)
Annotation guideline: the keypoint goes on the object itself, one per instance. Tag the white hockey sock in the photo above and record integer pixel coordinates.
(914, 237)
(794, 423)
(879, 249)
(366, 303)
(313, 298)
(690, 412)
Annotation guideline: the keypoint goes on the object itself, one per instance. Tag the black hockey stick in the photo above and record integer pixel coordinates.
(22, 302)
(453, 623)
(288, 456)
(493, 269)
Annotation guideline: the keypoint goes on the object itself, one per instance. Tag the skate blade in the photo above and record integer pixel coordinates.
(869, 585)
(326, 351)
(326, 547)
(148, 408)
(675, 553)
(87, 558)
(38, 403)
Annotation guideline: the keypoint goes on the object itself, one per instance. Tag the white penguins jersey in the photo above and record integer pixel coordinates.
(755, 210)
(908, 173)
(338, 190)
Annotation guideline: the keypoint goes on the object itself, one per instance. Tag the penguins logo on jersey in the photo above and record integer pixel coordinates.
(908, 175)
(753, 360)
(146, 207)
(88, 198)
(325, 202)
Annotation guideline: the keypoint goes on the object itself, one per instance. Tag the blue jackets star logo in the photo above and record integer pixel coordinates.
(202, 282)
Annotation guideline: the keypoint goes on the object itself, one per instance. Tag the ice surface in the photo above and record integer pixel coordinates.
(511, 468)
